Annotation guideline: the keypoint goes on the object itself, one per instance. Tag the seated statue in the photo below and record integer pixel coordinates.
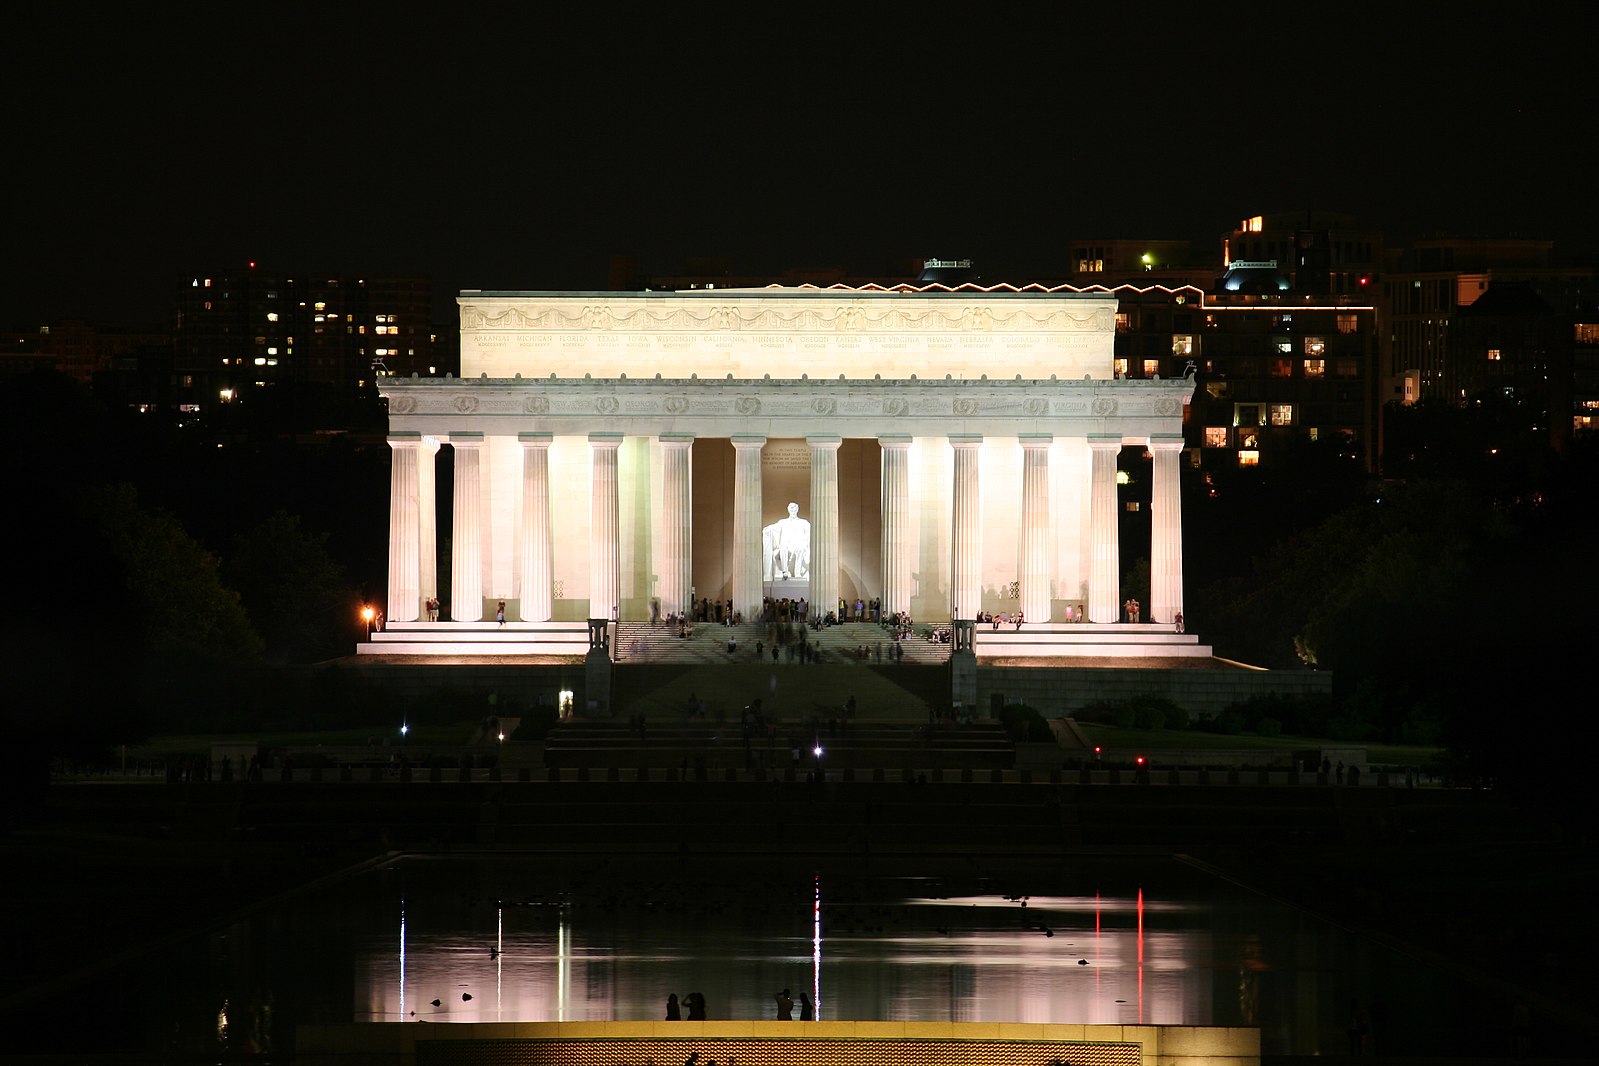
(786, 548)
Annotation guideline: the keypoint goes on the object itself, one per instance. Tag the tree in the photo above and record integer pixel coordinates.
(296, 595)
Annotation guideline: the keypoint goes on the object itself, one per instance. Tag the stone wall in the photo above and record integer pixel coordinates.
(1204, 693)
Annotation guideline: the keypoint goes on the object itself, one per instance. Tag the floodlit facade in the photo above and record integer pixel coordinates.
(953, 450)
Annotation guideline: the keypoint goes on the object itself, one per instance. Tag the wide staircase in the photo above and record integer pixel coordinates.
(708, 642)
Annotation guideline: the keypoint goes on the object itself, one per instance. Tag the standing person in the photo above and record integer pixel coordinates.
(499, 613)
(1177, 620)
(673, 1014)
(785, 1006)
(696, 1007)
(807, 1009)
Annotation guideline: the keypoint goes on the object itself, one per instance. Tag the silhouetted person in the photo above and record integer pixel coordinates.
(807, 1009)
(696, 1007)
(673, 1014)
(785, 1006)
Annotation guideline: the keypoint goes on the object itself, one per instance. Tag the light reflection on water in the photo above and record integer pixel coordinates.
(982, 957)
(1105, 941)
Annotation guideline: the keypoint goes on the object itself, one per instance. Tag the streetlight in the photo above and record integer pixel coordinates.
(368, 612)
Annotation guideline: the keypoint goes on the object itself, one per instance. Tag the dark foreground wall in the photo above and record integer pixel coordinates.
(1204, 693)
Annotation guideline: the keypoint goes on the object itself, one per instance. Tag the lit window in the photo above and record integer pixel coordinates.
(1347, 323)
(1121, 367)
(1215, 436)
(1124, 322)
(1282, 368)
(272, 351)
(1282, 414)
(272, 316)
(321, 318)
(1216, 390)
(1182, 344)
(1249, 458)
(1315, 346)
(1315, 433)
(1315, 368)
(1587, 333)
(1493, 355)
(1151, 368)
(260, 360)
(1285, 347)
(320, 305)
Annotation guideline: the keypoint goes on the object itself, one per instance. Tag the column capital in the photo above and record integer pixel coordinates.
(464, 440)
(1035, 440)
(894, 440)
(675, 438)
(965, 440)
(748, 440)
(605, 440)
(401, 438)
(1166, 442)
(535, 440)
(824, 441)
(1105, 442)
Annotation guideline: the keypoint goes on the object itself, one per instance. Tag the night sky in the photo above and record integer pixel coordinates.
(518, 149)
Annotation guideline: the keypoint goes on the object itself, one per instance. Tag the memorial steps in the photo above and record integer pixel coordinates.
(1115, 640)
(479, 638)
(707, 643)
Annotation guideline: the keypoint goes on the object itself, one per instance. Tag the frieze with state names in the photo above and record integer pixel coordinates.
(846, 319)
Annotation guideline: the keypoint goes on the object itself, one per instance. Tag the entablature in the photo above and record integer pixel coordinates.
(1132, 409)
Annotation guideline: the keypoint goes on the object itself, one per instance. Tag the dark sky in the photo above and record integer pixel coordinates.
(513, 148)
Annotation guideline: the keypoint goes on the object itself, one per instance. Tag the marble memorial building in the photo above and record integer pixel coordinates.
(948, 451)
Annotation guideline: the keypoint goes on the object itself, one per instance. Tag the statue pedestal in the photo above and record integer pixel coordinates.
(788, 590)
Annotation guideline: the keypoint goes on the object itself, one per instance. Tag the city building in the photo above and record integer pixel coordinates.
(1427, 285)
(250, 327)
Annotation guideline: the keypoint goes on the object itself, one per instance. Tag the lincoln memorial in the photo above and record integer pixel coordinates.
(947, 451)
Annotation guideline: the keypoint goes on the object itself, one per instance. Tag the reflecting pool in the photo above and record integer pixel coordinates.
(488, 938)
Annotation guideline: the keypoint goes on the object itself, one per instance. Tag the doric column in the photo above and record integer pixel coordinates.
(896, 512)
(966, 589)
(466, 539)
(605, 555)
(1104, 566)
(1166, 531)
(537, 561)
(747, 524)
(427, 533)
(824, 521)
(676, 517)
(1035, 526)
(405, 596)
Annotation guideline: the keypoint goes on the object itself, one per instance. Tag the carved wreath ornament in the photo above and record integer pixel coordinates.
(1166, 406)
(1104, 407)
(1036, 406)
(464, 404)
(897, 405)
(676, 404)
(965, 406)
(606, 405)
(402, 405)
(536, 405)
(747, 405)
(824, 405)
